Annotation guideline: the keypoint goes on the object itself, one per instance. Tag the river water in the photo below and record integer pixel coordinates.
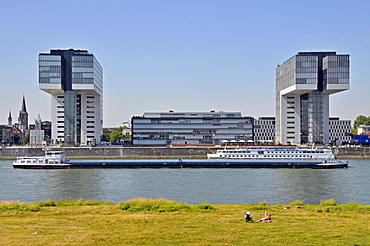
(191, 186)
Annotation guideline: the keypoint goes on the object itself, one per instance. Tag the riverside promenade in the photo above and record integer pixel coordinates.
(153, 152)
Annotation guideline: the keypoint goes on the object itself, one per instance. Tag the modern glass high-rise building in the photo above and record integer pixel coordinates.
(74, 79)
(303, 85)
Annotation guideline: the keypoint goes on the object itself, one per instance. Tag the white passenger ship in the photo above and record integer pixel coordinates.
(273, 154)
(54, 159)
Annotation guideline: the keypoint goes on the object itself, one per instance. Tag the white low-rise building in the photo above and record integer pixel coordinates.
(362, 130)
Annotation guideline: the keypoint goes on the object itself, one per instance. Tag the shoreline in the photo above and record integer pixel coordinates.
(152, 152)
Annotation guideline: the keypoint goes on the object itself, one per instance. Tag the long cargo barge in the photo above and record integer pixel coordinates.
(204, 163)
(56, 160)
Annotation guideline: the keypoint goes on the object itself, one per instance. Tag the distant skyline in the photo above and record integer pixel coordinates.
(182, 55)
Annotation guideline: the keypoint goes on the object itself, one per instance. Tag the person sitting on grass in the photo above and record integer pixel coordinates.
(248, 217)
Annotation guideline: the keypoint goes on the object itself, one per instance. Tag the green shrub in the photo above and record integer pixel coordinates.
(12, 206)
(262, 204)
(204, 207)
(330, 202)
(157, 205)
(296, 203)
(81, 202)
(48, 203)
(259, 206)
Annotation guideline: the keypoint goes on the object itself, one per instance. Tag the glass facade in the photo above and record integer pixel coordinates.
(306, 69)
(50, 69)
(336, 69)
(70, 117)
(191, 128)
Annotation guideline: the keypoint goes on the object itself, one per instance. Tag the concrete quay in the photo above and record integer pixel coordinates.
(153, 152)
(118, 152)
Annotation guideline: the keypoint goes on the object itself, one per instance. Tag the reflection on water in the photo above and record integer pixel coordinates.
(192, 186)
(308, 185)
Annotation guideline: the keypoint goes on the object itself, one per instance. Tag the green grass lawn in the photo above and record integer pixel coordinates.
(159, 222)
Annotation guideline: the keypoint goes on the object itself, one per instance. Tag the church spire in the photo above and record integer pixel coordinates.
(10, 120)
(23, 117)
(23, 109)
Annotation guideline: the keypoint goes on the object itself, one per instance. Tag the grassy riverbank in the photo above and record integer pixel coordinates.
(160, 222)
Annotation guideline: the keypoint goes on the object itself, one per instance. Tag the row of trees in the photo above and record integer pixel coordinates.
(113, 136)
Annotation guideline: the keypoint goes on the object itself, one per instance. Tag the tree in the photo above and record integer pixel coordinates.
(114, 136)
(26, 139)
(105, 137)
(361, 120)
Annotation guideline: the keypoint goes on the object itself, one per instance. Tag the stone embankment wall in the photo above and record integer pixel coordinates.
(114, 152)
(149, 152)
(353, 152)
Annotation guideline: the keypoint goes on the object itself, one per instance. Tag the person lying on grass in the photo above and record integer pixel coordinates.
(266, 219)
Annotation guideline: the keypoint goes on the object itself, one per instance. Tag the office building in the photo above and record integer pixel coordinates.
(303, 85)
(339, 131)
(191, 128)
(264, 130)
(74, 79)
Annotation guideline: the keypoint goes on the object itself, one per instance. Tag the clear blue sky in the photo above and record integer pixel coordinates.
(182, 55)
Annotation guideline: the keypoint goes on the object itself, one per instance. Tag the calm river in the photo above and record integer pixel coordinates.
(191, 186)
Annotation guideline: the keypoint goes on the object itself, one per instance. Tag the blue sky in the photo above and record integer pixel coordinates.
(182, 55)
